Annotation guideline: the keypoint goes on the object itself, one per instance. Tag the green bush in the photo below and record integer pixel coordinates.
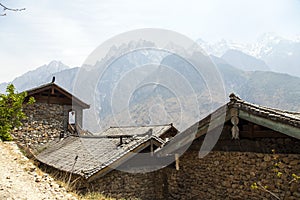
(11, 113)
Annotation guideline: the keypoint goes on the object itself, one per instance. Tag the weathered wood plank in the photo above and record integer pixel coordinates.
(273, 125)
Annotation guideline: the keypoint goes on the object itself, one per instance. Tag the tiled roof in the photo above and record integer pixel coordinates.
(281, 116)
(95, 153)
(157, 130)
(289, 122)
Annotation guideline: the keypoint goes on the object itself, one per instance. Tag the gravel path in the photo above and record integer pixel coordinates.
(20, 179)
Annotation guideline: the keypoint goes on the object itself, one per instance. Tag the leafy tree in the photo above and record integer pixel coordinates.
(11, 113)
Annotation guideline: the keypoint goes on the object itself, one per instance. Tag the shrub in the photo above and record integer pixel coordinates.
(11, 113)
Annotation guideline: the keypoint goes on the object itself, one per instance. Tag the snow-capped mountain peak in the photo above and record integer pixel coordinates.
(279, 53)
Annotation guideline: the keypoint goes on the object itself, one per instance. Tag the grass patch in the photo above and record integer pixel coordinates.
(94, 196)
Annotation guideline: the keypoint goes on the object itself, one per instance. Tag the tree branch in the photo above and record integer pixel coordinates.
(262, 187)
(10, 9)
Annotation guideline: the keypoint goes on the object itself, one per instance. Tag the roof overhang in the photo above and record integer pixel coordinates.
(52, 86)
(271, 124)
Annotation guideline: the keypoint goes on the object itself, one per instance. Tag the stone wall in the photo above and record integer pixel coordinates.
(219, 175)
(130, 185)
(44, 123)
(115, 184)
(229, 175)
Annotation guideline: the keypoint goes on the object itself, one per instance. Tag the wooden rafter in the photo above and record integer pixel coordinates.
(55, 91)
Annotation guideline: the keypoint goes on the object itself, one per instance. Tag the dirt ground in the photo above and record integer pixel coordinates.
(20, 179)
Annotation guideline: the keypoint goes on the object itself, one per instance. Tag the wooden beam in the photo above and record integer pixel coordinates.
(36, 91)
(251, 129)
(151, 147)
(48, 98)
(52, 89)
(262, 134)
(54, 100)
(177, 161)
(273, 125)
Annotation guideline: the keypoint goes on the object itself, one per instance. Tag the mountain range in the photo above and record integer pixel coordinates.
(273, 52)
(247, 73)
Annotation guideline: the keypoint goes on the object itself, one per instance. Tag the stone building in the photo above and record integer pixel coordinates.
(48, 117)
(256, 156)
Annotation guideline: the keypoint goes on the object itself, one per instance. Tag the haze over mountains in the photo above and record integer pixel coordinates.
(36, 77)
(245, 70)
(270, 50)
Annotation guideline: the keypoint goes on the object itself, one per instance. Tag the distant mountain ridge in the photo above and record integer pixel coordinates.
(243, 61)
(236, 69)
(41, 75)
(278, 53)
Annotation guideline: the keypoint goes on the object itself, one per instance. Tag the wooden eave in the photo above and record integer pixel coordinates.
(271, 124)
(50, 90)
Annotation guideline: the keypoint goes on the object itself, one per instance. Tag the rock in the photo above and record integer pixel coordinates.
(32, 169)
(294, 187)
(69, 196)
(216, 163)
(294, 162)
(267, 158)
(54, 185)
(282, 166)
(260, 155)
(285, 160)
(264, 164)
(252, 173)
(226, 184)
(37, 179)
(296, 194)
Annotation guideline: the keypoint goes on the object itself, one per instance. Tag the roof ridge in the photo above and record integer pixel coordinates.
(129, 126)
(236, 99)
(268, 108)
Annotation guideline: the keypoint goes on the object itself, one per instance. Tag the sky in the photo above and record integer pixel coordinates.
(70, 30)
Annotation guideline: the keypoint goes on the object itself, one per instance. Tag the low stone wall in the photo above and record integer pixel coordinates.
(229, 175)
(119, 184)
(220, 175)
(115, 184)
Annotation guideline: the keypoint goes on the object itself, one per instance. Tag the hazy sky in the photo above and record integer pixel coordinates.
(70, 30)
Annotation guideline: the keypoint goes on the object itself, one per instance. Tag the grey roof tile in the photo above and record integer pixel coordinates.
(97, 152)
